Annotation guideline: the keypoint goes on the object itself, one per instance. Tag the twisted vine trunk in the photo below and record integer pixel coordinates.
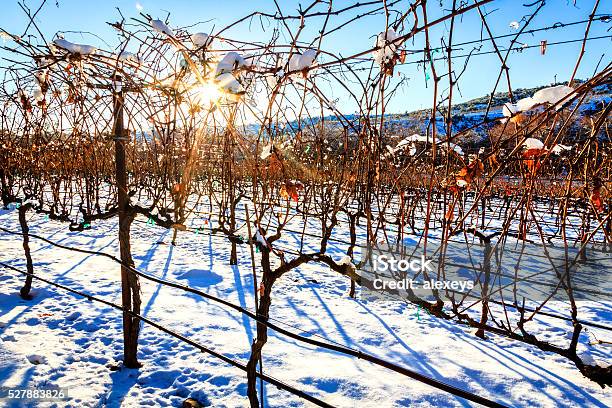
(130, 295)
(5, 193)
(265, 300)
(25, 290)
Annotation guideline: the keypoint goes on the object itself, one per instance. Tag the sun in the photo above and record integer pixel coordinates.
(206, 94)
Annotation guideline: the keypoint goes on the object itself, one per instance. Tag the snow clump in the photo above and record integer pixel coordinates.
(300, 62)
(386, 52)
(75, 48)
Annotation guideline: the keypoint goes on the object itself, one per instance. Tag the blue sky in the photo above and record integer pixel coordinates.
(526, 69)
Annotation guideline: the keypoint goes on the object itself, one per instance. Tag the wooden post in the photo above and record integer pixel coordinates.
(130, 287)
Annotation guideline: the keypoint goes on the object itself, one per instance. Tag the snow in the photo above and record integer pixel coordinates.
(229, 84)
(525, 104)
(44, 62)
(456, 148)
(274, 79)
(260, 239)
(300, 62)
(514, 25)
(509, 110)
(410, 140)
(201, 40)
(415, 138)
(224, 76)
(387, 51)
(74, 48)
(34, 201)
(522, 105)
(346, 260)
(558, 149)
(403, 143)
(60, 339)
(36, 359)
(552, 95)
(183, 63)
(129, 57)
(230, 62)
(38, 95)
(41, 76)
(531, 143)
(266, 152)
(161, 27)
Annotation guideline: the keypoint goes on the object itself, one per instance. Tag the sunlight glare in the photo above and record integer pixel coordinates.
(206, 94)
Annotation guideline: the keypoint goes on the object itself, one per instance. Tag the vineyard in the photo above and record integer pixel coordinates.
(245, 217)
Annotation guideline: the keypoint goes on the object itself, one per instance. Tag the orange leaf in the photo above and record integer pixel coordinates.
(291, 190)
(596, 200)
(449, 214)
(283, 192)
(403, 56)
(534, 152)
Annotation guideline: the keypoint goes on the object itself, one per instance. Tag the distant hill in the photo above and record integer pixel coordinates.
(471, 113)
(465, 115)
(501, 98)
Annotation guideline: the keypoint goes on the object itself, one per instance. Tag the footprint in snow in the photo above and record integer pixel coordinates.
(37, 359)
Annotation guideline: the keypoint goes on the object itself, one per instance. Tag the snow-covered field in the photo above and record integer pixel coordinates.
(59, 339)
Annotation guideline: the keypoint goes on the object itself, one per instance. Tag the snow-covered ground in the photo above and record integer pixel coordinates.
(59, 339)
